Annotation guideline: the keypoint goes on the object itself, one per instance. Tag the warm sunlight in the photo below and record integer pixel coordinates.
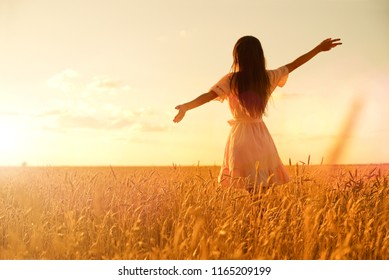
(194, 130)
(100, 87)
(11, 142)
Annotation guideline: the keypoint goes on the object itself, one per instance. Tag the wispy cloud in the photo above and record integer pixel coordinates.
(65, 81)
(146, 112)
(105, 84)
(11, 113)
(152, 127)
(96, 119)
(54, 112)
(104, 117)
(69, 81)
(69, 121)
(181, 34)
(82, 111)
(283, 95)
(118, 124)
(186, 33)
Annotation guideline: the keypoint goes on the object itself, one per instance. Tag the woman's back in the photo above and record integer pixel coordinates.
(249, 143)
(223, 89)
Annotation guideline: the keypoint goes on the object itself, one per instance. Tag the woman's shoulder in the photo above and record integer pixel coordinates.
(225, 79)
(283, 70)
(222, 87)
(278, 77)
(227, 76)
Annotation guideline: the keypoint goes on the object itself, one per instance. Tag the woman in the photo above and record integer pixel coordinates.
(250, 154)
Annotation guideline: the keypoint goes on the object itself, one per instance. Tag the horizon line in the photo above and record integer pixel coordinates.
(184, 165)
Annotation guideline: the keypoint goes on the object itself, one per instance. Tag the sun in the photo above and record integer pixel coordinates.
(11, 143)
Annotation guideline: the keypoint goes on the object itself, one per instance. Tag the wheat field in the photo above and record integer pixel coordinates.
(142, 213)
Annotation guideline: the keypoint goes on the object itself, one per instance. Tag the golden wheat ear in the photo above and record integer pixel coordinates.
(346, 131)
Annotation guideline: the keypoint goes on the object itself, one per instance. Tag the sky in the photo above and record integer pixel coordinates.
(96, 82)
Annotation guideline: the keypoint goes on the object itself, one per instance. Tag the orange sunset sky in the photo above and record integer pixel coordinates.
(96, 82)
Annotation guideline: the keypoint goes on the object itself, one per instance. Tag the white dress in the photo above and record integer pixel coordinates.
(250, 153)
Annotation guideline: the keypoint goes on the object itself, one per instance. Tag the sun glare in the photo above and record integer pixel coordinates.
(11, 143)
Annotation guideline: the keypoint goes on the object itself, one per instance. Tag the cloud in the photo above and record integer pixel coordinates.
(11, 113)
(185, 33)
(69, 121)
(152, 127)
(120, 123)
(69, 81)
(93, 123)
(54, 112)
(65, 120)
(105, 84)
(65, 81)
(283, 95)
(146, 112)
(81, 111)
(104, 117)
(180, 34)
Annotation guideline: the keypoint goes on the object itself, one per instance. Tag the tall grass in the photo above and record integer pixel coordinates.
(325, 212)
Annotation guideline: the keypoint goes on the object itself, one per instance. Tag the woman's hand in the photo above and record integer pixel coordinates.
(181, 113)
(328, 44)
(200, 100)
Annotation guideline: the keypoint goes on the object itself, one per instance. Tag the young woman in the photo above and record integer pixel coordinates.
(250, 154)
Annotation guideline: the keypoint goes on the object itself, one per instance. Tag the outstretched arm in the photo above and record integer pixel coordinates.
(202, 99)
(324, 46)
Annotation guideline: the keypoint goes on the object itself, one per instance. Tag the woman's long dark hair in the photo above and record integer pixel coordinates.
(250, 81)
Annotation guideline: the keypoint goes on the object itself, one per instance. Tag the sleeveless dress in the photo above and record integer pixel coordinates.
(250, 154)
